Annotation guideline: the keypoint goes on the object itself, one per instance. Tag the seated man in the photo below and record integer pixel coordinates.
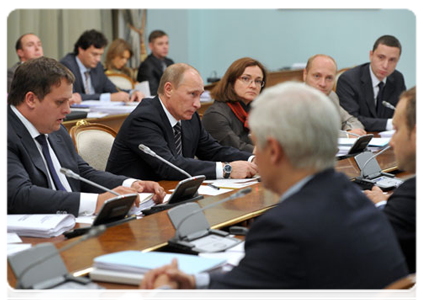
(27, 46)
(38, 146)
(90, 81)
(400, 207)
(363, 89)
(320, 73)
(171, 127)
(324, 233)
(152, 68)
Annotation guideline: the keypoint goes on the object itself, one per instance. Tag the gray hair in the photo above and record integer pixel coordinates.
(302, 119)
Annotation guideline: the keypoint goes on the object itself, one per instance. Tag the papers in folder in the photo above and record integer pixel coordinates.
(44, 226)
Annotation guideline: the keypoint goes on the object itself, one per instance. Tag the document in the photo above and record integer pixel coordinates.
(45, 226)
(232, 183)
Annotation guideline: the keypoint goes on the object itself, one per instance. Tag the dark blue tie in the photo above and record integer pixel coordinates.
(43, 142)
(178, 135)
(379, 96)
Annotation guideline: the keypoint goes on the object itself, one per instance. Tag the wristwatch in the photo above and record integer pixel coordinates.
(227, 170)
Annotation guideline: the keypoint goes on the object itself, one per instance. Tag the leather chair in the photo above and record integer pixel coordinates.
(407, 288)
(121, 81)
(93, 142)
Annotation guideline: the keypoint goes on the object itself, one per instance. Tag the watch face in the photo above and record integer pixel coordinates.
(227, 168)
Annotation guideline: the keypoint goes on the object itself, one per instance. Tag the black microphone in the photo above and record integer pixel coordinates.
(93, 232)
(148, 151)
(388, 105)
(71, 174)
(238, 194)
(370, 159)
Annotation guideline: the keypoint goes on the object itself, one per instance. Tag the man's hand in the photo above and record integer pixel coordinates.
(120, 96)
(120, 190)
(76, 99)
(358, 131)
(168, 275)
(243, 169)
(150, 187)
(136, 96)
(376, 195)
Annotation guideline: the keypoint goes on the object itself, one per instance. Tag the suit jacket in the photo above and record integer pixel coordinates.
(348, 122)
(355, 92)
(401, 212)
(328, 235)
(149, 125)
(220, 121)
(151, 69)
(28, 187)
(99, 80)
(10, 74)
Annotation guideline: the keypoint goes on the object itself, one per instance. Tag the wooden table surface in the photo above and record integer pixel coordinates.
(152, 232)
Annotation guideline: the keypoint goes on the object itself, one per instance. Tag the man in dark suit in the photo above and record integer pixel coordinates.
(363, 89)
(91, 83)
(171, 127)
(27, 46)
(152, 68)
(38, 146)
(400, 207)
(324, 233)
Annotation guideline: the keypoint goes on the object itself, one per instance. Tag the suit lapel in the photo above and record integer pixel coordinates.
(367, 88)
(168, 130)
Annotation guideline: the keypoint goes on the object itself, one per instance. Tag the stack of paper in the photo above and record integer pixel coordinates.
(129, 266)
(44, 226)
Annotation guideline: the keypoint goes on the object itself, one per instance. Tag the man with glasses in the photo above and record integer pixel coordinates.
(170, 126)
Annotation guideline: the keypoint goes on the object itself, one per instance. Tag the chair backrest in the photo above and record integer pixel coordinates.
(407, 288)
(339, 73)
(121, 81)
(93, 142)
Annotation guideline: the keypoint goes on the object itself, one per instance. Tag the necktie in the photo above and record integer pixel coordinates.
(379, 96)
(87, 85)
(43, 142)
(164, 66)
(178, 140)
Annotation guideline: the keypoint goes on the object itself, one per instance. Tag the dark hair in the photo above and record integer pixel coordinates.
(410, 110)
(90, 38)
(387, 40)
(156, 34)
(224, 90)
(37, 75)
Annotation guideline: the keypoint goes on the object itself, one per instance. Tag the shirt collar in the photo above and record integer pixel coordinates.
(296, 187)
(28, 125)
(81, 65)
(375, 80)
(171, 118)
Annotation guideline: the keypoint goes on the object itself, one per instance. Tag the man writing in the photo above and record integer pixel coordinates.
(400, 207)
(318, 236)
(320, 73)
(171, 127)
(38, 146)
(363, 89)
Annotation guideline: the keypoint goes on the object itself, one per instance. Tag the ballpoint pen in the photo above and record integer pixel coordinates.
(213, 186)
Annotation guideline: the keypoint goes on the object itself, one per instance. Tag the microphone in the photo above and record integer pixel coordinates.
(238, 194)
(388, 105)
(95, 231)
(371, 158)
(148, 151)
(71, 174)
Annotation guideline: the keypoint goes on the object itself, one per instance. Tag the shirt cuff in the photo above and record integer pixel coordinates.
(202, 280)
(87, 204)
(105, 97)
(219, 170)
(250, 159)
(380, 204)
(128, 182)
(389, 125)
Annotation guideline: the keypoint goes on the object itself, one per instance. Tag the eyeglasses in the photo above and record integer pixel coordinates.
(247, 80)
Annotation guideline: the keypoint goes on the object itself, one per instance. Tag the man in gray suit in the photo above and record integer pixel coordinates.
(38, 146)
(27, 46)
(320, 73)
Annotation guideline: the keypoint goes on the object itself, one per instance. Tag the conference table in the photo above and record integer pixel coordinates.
(152, 232)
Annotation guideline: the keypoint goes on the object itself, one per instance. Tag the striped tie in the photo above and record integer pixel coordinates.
(178, 140)
(86, 83)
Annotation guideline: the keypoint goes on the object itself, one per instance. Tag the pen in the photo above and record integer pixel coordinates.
(213, 186)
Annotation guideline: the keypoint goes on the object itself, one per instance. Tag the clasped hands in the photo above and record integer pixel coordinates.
(167, 275)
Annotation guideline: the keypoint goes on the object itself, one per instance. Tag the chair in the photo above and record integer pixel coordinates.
(93, 142)
(407, 288)
(339, 73)
(121, 81)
